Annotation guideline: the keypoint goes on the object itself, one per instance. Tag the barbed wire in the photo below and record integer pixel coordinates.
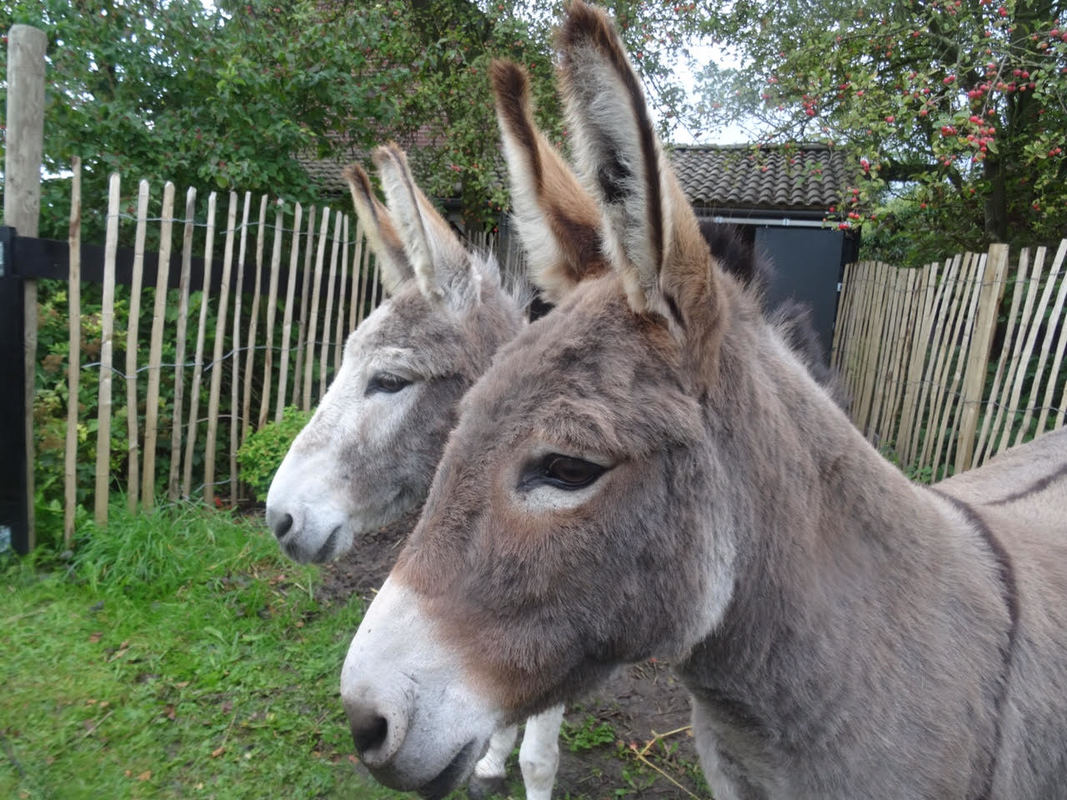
(889, 286)
(246, 226)
(207, 366)
(959, 397)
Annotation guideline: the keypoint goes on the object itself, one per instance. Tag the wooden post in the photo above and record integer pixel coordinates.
(298, 369)
(216, 361)
(155, 353)
(353, 307)
(198, 358)
(24, 146)
(179, 348)
(339, 335)
(250, 359)
(313, 310)
(287, 320)
(235, 366)
(133, 486)
(70, 455)
(990, 294)
(364, 271)
(324, 354)
(107, 329)
(272, 311)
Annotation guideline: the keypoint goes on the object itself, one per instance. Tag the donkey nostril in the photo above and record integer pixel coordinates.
(369, 732)
(284, 525)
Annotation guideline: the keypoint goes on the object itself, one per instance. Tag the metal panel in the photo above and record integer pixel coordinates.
(809, 266)
(14, 528)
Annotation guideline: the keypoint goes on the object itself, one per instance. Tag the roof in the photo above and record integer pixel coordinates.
(798, 178)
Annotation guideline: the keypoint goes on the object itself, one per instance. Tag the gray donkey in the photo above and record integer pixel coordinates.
(368, 454)
(650, 471)
(332, 487)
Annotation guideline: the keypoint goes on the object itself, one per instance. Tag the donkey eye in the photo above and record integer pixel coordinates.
(562, 472)
(386, 383)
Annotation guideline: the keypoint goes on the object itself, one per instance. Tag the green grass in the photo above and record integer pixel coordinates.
(176, 655)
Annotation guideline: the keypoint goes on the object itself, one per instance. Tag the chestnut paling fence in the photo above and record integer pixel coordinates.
(252, 299)
(952, 363)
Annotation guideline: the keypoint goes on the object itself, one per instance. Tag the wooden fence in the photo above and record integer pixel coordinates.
(230, 343)
(950, 364)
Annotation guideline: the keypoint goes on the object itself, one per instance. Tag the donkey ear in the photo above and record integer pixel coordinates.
(441, 264)
(381, 233)
(558, 221)
(651, 237)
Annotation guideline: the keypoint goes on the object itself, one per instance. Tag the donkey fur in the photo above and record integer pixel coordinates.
(843, 632)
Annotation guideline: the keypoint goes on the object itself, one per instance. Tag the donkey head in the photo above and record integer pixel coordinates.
(369, 453)
(565, 530)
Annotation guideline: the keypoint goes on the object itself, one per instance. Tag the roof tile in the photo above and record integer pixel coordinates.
(715, 178)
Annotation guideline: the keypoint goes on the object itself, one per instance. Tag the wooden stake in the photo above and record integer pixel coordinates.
(272, 310)
(179, 346)
(133, 485)
(155, 356)
(216, 361)
(70, 455)
(107, 329)
(198, 358)
(364, 272)
(305, 301)
(287, 323)
(357, 255)
(327, 319)
(989, 295)
(235, 349)
(313, 310)
(339, 332)
(250, 358)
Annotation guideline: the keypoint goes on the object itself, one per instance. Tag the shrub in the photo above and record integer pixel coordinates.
(262, 453)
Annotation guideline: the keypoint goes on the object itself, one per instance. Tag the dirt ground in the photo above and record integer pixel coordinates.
(631, 738)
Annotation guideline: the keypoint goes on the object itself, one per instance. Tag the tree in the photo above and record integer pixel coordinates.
(228, 96)
(956, 107)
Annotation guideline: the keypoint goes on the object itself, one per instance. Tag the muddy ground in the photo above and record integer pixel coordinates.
(629, 739)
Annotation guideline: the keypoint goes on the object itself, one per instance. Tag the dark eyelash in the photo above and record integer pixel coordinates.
(385, 383)
(560, 471)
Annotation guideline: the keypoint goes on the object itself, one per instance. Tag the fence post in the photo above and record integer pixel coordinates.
(22, 201)
(990, 294)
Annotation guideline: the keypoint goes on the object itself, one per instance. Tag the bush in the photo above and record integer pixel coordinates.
(261, 455)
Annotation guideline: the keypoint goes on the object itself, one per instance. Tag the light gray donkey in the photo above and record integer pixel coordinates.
(649, 471)
(368, 454)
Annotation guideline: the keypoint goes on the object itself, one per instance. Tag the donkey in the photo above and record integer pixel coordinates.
(650, 471)
(329, 491)
(368, 454)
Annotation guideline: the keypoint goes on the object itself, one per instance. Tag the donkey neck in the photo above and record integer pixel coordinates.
(842, 568)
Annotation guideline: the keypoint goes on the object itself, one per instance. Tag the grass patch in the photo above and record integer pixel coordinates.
(177, 654)
(588, 734)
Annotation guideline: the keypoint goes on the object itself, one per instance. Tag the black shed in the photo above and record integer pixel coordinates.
(780, 199)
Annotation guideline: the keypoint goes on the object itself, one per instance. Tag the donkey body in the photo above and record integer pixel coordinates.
(650, 471)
